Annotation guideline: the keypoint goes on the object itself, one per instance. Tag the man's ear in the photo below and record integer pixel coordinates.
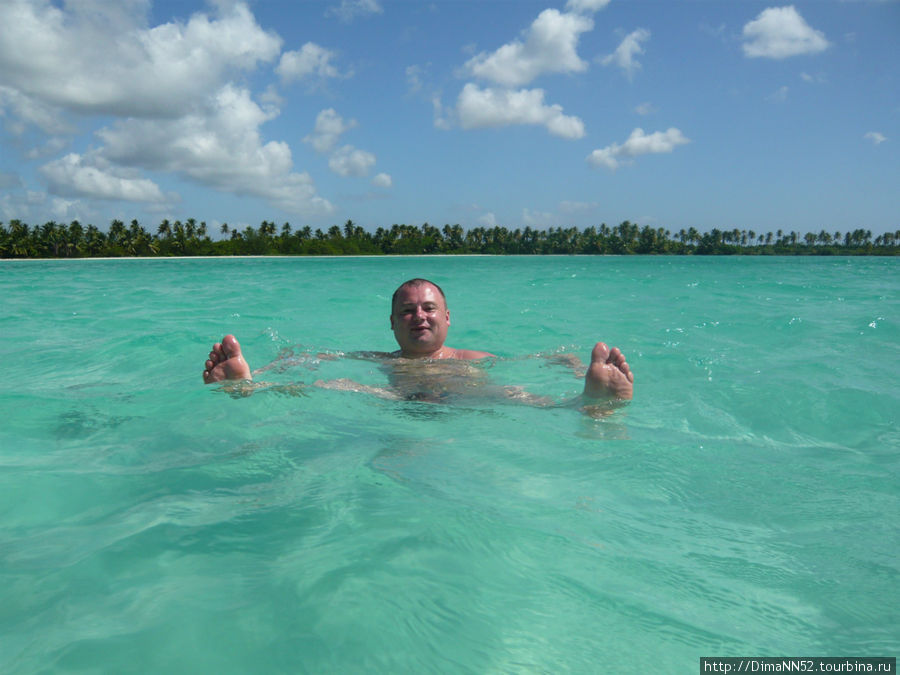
(448, 317)
(391, 317)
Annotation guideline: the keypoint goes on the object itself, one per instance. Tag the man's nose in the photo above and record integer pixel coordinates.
(421, 313)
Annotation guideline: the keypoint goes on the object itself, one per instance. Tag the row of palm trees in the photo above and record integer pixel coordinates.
(56, 240)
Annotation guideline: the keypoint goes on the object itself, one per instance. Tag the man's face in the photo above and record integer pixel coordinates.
(419, 319)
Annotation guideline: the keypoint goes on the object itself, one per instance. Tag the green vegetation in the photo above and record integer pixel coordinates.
(54, 240)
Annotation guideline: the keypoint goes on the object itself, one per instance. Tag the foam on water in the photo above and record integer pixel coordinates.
(744, 504)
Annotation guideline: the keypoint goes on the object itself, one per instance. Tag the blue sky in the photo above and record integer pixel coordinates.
(708, 114)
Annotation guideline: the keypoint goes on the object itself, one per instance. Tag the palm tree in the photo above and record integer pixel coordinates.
(453, 236)
(75, 239)
(693, 236)
(94, 240)
(20, 239)
(117, 238)
(51, 237)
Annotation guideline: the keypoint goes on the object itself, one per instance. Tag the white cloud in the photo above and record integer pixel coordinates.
(220, 147)
(27, 110)
(350, 9)
(167, 88)
(69, 209)
(628, 49)
(349, 161)
(780, 32)
(813, 79)
(779, 95)
(52, 146)
(329, 127)
(74, 61)
(9, 179)
(488, 220)
(638, 143)
(311, 60)
(414, 75)
(78, 176)
(478, 108)
(382, 180)
(644, 109)
(270, 97)
(30, 205)
(538, 218)
(549, 46)
(875, 137)
(441, 114)
(586, 5)
(575, 208)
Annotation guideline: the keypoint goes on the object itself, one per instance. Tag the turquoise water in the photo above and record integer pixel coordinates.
(745, 503)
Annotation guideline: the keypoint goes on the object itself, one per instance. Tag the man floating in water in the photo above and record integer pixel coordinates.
(420, 320)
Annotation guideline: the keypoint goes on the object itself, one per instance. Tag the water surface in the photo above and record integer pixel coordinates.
(745, 503)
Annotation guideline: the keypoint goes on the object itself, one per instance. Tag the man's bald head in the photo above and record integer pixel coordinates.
(417, 282)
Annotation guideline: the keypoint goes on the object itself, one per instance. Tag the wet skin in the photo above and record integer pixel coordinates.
(420, 320)
(424, 368)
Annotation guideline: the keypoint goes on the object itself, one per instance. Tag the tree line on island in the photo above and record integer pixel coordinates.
(190, 238)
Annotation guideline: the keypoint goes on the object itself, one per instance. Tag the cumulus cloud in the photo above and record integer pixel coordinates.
(29, 205)
(627, 51)
(10, 180)
(780, 32)
(166, 87)
(220, 147)
(779, 95)
(538, 218)
(78, 176)
(350, 161)
(488, 219)
(350, 9)
(346, 160)
(414, 77)
(27, 110)
(382, 180)
(584, 6)
(813, 79)
(548, 46)
(875, 137)
(573, 208)
(638, 143)
(51, 146)
(311, 60)
(479, 108)
(329, 127)
(74, 61)
(442, 115)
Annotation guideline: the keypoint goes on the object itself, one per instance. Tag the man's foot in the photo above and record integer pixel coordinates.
(608, 376)
(226, 362)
